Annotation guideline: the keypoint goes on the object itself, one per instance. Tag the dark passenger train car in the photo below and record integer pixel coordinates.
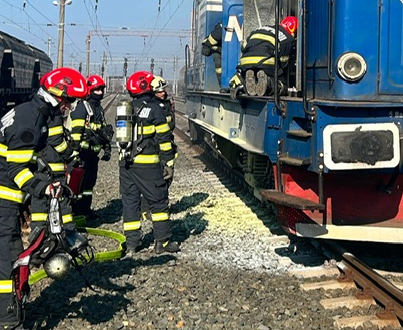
(21, 68)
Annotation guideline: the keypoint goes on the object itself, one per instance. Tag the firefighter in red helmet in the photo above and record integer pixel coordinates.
(256, 68)
(143, 154)
(33, 151)
(91, 132)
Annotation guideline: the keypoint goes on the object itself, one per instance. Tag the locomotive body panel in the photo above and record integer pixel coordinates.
(329, 154)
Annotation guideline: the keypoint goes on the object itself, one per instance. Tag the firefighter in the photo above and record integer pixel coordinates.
(159, 86)
(212, 46)
(32, 154)
(256, 69)
(90, 130)
(143, 154)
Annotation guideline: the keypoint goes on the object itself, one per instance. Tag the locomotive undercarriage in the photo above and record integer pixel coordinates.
(256, 170)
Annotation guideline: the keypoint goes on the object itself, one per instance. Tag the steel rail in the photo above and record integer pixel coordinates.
(374, 285)
(371, 283)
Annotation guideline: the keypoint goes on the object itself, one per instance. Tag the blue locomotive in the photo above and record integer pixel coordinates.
(21, 67)
(329, 153)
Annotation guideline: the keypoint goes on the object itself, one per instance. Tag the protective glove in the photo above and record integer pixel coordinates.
(206, 50)
(107, 155)
(168, 172)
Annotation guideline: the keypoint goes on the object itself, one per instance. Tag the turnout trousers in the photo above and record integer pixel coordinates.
(147, 181)
(90, 161)
(10, 248)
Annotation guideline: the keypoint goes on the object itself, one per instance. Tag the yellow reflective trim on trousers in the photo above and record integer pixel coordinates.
(67, 218)
(57, 167)
(256, 60)
(94, 126)
(77, 123)
(76, 136)
(22, 177)
(146, 159)
(159, 216)
(6, 286)
(212, 41)
(87, 193)
(169, 118)
(19, 156)
(166, 146)
(134, 225)
(84, 145)
(146, 130)
(57, 130)
(162, 128)
(264, 37)
(61, 147)
(3, 150)
(39, 216)
(171, 162)
(96, 148)
(11, 194)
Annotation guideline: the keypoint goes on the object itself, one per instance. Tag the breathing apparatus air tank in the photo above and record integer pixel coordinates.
(124, 124)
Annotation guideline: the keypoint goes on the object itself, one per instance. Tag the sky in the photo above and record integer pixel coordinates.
(113, 27)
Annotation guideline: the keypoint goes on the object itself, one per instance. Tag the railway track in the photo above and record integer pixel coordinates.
(364, 291)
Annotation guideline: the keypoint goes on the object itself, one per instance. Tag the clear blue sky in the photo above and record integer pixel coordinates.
(35, 21)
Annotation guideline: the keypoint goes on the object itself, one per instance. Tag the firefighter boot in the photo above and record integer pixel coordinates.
(166, 246)
(250, 82)
(261, 86)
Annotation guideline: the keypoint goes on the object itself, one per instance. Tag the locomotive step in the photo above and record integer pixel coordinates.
(292, 201)
(294, 161)
(300, 133)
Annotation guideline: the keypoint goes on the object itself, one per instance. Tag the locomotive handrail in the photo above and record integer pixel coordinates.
(304, 63)
(330, 42)
(187, 57)
(279, 106)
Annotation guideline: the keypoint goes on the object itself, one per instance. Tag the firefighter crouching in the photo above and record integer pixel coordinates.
(91, 132)
(144, 141)
(257, 66)
(32, 156)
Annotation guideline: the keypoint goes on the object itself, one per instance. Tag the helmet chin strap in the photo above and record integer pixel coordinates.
(48, 97)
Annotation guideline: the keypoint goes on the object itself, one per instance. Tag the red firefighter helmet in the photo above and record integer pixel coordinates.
(65, 82)
(94, 82)
(139, 82)
(290, 24)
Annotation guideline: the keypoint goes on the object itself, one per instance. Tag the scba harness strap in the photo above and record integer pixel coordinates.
(54, 247)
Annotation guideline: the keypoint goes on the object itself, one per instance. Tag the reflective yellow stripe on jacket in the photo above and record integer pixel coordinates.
(11, 194)
(19, 156)
(6, 286)
(22, 177)
(57, 130)
(3, 150)
(146, 159)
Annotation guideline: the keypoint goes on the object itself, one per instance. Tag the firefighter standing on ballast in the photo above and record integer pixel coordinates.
(158, 87)
(90, 130)
(32, 150)
(144, 141)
